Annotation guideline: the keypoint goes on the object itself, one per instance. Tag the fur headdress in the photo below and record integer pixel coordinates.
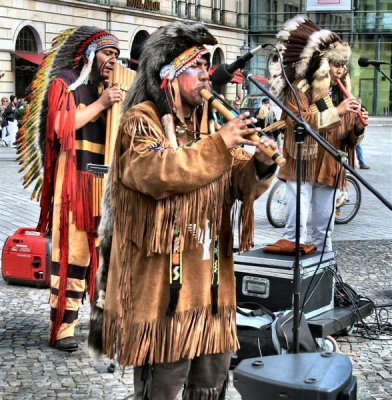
(160, 55)
(306, 51)
(69, 50)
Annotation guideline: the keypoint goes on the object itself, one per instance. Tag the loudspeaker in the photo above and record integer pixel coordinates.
(304, 376)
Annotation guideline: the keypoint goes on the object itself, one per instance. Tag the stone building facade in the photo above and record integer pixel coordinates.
(27, 28)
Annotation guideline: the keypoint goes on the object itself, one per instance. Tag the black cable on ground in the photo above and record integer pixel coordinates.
(346, 296)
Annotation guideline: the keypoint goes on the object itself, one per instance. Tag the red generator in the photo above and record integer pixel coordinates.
(26, 258)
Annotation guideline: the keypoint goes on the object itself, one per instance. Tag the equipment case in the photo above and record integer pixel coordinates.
(267, 279)
(26, 258)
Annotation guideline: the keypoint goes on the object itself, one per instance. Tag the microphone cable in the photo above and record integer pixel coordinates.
(372, 330)
(285, 76)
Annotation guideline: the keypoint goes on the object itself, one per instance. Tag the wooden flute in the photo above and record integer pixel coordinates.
(217, 104)
(346, 94)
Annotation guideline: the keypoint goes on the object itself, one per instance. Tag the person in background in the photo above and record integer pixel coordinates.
(266, 115)
(21, 107)
(360, 157)
(74, 131)
(3, 121)
(322, 105)
(237, 105)
(11, 115)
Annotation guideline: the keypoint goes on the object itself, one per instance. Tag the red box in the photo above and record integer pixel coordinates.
(26, 258)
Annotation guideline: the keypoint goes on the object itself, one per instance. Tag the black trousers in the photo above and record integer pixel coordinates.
(203, 378)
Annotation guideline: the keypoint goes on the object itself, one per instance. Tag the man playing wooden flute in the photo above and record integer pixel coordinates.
(72, 124)
(313, 60)
(170, 308)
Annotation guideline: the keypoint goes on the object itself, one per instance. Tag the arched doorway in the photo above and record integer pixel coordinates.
(217, 57)
(136, 49)
(27, 60)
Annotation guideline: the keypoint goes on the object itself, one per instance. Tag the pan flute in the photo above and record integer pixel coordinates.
(123, 78)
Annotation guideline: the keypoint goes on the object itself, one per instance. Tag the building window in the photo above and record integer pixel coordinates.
(217, 11)
(175, 7)
(26, 41)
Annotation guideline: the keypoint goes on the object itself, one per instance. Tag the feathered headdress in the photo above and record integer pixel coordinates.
(168, 52)
(68, 51)
(306, 51)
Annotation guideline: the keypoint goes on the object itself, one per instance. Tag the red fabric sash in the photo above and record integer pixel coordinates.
(76, 192)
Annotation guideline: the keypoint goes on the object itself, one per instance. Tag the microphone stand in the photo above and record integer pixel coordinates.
(301, 131)
(382, 73)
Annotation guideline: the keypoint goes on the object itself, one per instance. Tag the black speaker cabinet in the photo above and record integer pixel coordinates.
(305, 376)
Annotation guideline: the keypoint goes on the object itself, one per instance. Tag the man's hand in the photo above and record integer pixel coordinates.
(260, 155)
(234, 133)
(365, 114)
(110, 96)
(349, 104)
(85, 115)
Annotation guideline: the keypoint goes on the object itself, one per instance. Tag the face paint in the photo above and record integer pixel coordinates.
(191, 81)
(193, 72)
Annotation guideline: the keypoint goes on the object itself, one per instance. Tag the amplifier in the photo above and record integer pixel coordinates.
(267, 279)
(305, 376)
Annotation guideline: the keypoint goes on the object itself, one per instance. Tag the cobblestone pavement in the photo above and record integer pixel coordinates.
(30, 369)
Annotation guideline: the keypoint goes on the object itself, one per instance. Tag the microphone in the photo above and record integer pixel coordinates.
(224, 73)
(365, 62)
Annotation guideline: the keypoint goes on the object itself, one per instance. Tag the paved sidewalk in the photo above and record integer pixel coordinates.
(30, 369)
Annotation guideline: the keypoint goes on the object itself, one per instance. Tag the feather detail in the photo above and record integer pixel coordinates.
(85, 72)
(65, 53)
(29, 146)
(306, 51)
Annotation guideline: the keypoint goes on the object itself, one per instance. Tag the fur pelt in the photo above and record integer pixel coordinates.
(160, 49)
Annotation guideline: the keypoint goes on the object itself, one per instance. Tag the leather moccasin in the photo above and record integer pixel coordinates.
(67, 344)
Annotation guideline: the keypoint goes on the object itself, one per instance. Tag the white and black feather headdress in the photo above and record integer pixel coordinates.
(306, 51)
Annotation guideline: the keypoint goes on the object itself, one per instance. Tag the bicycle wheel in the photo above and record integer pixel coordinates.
(348, 208)
(277, 205)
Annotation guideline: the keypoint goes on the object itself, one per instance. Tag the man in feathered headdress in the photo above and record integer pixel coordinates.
(67, 117)
(170, 308)
(313, 60)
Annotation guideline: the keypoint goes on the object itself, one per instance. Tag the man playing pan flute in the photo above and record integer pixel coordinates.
(169, 308)
(69, 96)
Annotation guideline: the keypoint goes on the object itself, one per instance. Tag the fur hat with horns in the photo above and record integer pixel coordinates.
(306, 51)
(168, 52)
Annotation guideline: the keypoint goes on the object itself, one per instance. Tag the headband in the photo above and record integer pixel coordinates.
(182, 62)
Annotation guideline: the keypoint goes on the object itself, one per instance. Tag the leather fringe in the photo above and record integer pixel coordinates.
(150, 223)
(196, 393)
(167, 339)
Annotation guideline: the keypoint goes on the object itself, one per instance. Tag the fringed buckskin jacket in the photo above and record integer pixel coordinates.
(342, 132)
(159, 196)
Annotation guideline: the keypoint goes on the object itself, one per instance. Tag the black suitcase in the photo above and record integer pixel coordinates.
(26, 258)
(305, 376)
(267, 279)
